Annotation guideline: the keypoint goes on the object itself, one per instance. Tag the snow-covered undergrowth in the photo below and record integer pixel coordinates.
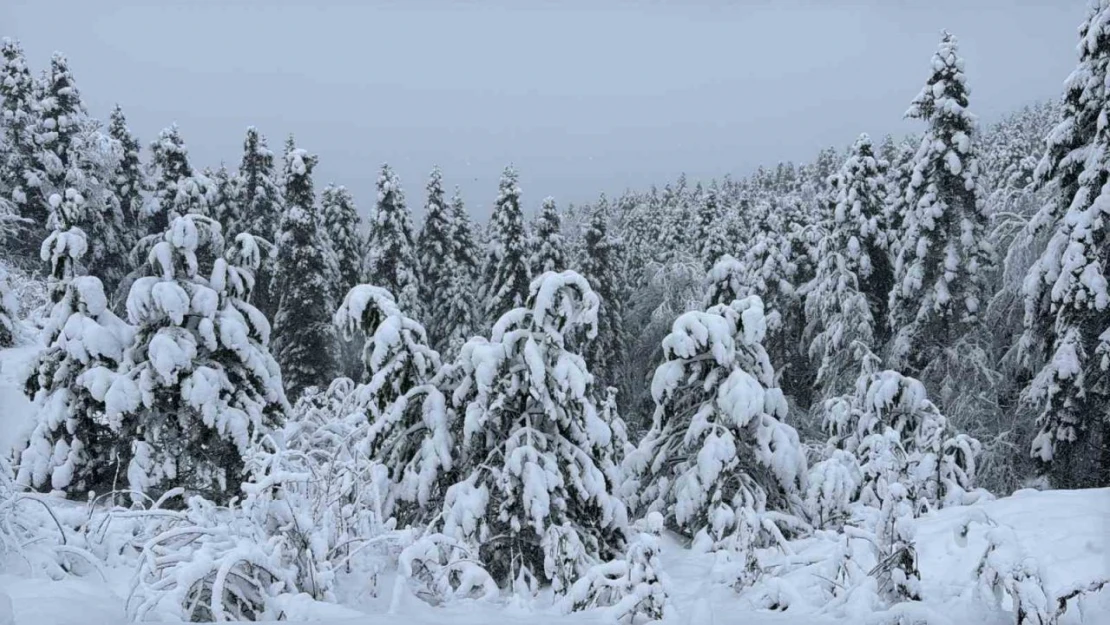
(1028, 555)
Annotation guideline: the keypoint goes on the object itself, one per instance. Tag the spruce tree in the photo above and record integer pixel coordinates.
(710, 217)
(505, 269)
(341, 222)
(17, 165)
(392, 255)
(718, 455)
(198, 385)
(304, 338)
(74, 446)
(532, 499)
(170, 171)
(129, 179)
(854, 274)
(406, 413)
(1066, 296)
(223, 205)
(259, 196)
(74, 164)
(549, 248)
(600, 267)
(462, 316)
(944, 253)
(437, 260)
(259, 200)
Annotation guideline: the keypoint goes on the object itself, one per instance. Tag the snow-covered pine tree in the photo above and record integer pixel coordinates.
(853, 279)
(945, 254)
(859, 227)
(392, 252)
(18, 179)
(198, 385)
(73, 159)
(533, 501)
(899, 172)
(1066, 295)
(711, 219)
(601, 268)
(718, 455)
(305, 341)
(405, 414)
(74, 446)
(129, 179)
(462, 319)
(549, 247)
(435, 255)
(223, 204)
(258, 192)
(341, 222)
(259, 198)
(505, 270)
(169, 171)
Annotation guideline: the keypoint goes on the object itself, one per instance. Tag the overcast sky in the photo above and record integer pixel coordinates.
(583, 96)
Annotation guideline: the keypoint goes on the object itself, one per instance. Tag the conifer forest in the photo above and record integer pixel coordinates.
(871, 387)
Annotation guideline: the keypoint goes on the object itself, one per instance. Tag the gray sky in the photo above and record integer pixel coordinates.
(583, 96)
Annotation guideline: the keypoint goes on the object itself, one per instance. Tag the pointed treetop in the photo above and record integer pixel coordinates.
(946, 91)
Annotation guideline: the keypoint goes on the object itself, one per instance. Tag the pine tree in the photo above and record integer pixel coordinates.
(198, 385)
(74, 446)
(1066, 295)
(601, 268)
(169, 162)
(859, 226)
(259, 200)
(718, 453)
(392, 256)
(17, 165)
(462, 314)
(129, 179)
(945, 253)
(437, 260)
(406, 413)
(259, 195)
(505, 270)
(531, 498)
(223, 205)
(708, 238)
(341, 223)
(549, 249)
(305, 341)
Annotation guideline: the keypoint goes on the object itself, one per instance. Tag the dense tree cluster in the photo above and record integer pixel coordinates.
(740, 361)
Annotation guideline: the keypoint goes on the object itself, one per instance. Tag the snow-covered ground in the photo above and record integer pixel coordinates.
(1063, 534)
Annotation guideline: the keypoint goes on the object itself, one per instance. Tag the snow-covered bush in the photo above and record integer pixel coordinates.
(439, 568)
(211, 569)
(833, 484)
(630, 588)
(76, 445)
(718, 459)
(893, 429)
(529, 424)
(198, 385)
